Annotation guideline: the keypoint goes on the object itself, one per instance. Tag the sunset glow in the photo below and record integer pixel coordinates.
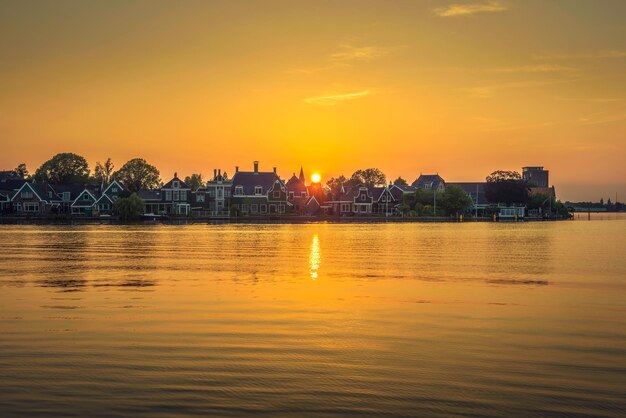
(316, 178)
(404, 86)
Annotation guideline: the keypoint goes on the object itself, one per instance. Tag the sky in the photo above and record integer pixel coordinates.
(459, 88)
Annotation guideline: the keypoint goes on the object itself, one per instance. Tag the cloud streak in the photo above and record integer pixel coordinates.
(585, 55)
(333, 99)
(456, 10)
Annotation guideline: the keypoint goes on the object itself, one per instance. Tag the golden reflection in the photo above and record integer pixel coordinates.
(314, 256)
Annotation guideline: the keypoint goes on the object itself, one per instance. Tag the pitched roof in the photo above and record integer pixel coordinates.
(181, 184)
(147, 195)
(428, 181)
(11, 186)
(250, 179)
(376, 192)
(295, 184)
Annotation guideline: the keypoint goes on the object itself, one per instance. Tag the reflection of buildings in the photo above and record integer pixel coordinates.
(314, 257)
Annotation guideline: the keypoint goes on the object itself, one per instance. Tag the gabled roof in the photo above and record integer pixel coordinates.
(38, 189)
(296, 185)
(182, 184)
(106, 189)
(11, 186)
(248, 180)
(376, 192)
(93, 191)
(356, 191)
(73, 190)
(428, 181)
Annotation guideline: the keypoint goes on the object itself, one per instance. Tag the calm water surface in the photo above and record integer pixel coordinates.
(473, 319)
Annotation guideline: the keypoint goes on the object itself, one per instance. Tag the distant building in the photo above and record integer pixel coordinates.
(430, 182)
(214, 198)
(536, 176)
(258, 192)
(297, 192)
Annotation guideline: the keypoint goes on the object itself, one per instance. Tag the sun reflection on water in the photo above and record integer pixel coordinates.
(314, 256)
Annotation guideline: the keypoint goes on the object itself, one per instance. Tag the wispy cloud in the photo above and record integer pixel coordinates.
(349, 52)
(456, 10)
(346, 55)
(584, 55)
(603, 117)
(487, 91)
(591, 99)
(333, 99)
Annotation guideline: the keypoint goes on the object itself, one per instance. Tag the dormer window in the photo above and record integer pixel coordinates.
(238, 190)
(114, 189)
(258, 190)
(176, 184)
(86, 196)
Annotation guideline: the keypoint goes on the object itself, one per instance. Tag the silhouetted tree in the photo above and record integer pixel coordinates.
(454, 200)
(66, 168)
(195, 181)
(130, 207)
(400, 182)
(22, 171)
(137, 174)
(334, 184)
(103, 172)
(506, 187)
(371, 177)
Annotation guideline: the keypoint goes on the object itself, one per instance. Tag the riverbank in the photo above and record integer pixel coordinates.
(262, 220)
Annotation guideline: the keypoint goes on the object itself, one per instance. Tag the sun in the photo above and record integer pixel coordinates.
(315, 178)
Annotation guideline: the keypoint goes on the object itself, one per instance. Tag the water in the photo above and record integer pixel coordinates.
(473, 319)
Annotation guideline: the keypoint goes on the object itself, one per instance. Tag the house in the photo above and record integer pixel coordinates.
(214, 198)
(8, 187)
(258, 192)
(312, 207)
(297, 192)
(105, 204)
(153, 203)
(387, 199)
(361, 200)
(6, 175)
(338, 203)
(430, 182)
(32, 198)
(84, 203)
(176, 195)
(66, 194)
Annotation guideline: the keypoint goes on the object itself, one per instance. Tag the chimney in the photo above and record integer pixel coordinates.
(219, 172)
(274, 170)
(236, 169)
(214, 174)
(175, 174)
(256, 167)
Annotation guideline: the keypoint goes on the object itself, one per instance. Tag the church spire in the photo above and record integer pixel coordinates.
(301, 175)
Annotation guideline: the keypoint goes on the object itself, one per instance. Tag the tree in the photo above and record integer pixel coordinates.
(194, 181)
(454, 200)
(224, 176)
(371, 177)
(65, 168)
(506, 187)
(103, 172)
(400, 182)
(334, 184)
(129, 208)
(137, 174)
(22, 171)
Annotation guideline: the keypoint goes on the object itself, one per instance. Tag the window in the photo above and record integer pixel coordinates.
(254, 208)
(168, 195)
(281, 208)
(31, 207)
(176, 195)
(114, 189)
(244, 208)
(363, 197)
(66, 196)
(345, 207)
(276, 194)
(226, 192)
(220, 193)
(27, 194)
(183, 195)
(263, 208)
(303, 194)
(291, 194)
(176, 184)
(86, 196)
(199, 198)
(258, 190)
(238, 190)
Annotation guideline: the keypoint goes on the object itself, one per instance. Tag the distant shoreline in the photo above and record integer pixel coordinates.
(260, 220)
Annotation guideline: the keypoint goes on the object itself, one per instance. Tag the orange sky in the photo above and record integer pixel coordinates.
(456, 87)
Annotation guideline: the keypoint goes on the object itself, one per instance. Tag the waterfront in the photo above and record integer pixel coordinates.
(441, 319)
